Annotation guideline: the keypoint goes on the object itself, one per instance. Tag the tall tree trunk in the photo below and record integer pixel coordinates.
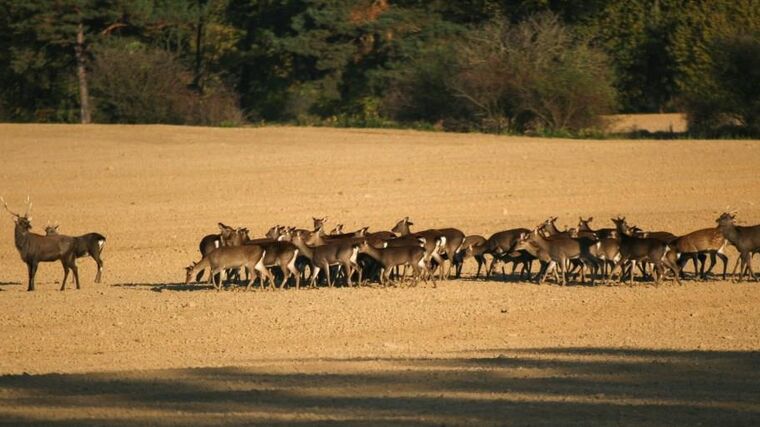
(197, 79)
(84, 96)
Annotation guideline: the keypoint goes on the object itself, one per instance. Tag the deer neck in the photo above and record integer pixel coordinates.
(729, 231)
(372, 251)
(303, 247)
(403, 230)
(21, 237)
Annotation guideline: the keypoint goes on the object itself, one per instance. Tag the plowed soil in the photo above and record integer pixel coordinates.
(144, 348)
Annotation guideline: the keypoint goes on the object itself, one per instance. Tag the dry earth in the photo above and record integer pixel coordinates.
(143, 348)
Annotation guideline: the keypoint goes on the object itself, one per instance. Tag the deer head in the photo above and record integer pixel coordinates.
(402, 227)
(23, 222)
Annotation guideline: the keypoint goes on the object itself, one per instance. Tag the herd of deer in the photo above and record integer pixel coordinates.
(363, 254)
(288, 251)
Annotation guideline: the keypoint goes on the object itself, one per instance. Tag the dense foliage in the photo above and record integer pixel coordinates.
(489, 65)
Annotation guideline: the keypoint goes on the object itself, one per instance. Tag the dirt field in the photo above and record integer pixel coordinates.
(143, 348)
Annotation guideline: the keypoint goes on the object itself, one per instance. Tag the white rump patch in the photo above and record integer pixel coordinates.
(354, 255)
(260, 264)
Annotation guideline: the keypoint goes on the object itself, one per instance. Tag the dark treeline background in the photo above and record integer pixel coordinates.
(542, 66)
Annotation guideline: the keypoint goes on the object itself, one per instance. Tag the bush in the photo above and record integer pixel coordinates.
(726, 101)
(141, 85)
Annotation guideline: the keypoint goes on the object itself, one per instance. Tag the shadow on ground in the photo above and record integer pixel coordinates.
(587, 386)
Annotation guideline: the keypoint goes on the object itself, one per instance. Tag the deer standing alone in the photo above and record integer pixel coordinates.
(35, 248)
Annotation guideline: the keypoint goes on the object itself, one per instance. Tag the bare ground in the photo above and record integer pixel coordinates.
(143, 348)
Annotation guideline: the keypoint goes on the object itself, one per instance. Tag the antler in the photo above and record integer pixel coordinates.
(7, 209)
(28, 206)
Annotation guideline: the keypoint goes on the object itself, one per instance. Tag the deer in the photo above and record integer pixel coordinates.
(337, 230)
(390, 257)
(453, 239)
(500, 247)
(602, 233)
(226, 258)
(472, 246)
(281, 254)
(35, 248)
(343, 253)
(228, 236)
(696, 245)
(87, 244)
(560, 250)
(746, 240)
(643, 250)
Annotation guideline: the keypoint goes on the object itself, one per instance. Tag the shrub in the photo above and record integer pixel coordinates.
(141, 85)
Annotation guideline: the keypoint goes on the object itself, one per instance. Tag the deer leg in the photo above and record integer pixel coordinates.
(549, 266)
(65, 274)
(314, 273)
(32, 269)
(489, 271)
(673, 267)
(723, 258)
(326, 267)
(633, 271)
(749, 267)
(75, 270)
(349, 271)
(99, 263)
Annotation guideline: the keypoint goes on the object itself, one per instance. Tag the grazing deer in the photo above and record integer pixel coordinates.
(35, 248)
(228, 236)
(746, 240)
(343, 253)
(696, 245)
(472, 246)
(500, 247)
(226, 258)
(452, 240)
(643, 250)
(391, 257)
(87, 244)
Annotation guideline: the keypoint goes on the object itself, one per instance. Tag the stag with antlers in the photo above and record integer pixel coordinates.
(35, 248)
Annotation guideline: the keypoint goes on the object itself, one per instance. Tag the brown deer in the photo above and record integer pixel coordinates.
(228, 236)
(746, 240)
(696, 245)
(281, 254)
(602, 233)
(453, 239)
(472, 246)
(343, 253)
(500, 246)
(87, 244)
(35, 248)
(560, 250)
(389, 258)
(227, 258)
(643, 250)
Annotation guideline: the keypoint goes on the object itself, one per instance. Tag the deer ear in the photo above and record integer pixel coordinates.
(591, 218)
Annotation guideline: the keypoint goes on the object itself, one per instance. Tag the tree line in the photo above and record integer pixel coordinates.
(544, 66)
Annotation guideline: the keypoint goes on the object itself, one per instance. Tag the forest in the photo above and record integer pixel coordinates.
(548, 67)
